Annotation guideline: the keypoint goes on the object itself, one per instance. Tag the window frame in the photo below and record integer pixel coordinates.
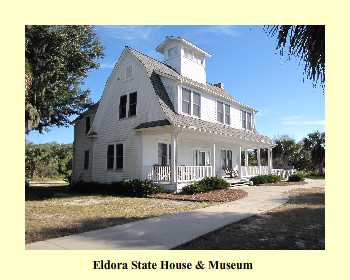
(249, 121)
(128, 72)
(119, 156)
(110, 155)
(195, 104)
(226, 161)
(120, 106)
(132, 104)
(244, 119)
(218, 112)
(189, 102)
(227, 121)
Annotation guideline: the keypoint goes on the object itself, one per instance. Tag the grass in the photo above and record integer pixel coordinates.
(54, 211)
(298, 224)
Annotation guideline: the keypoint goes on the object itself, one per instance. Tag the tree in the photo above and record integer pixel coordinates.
(285, 153)
(58, 59)
(306, 42)
(314, 144)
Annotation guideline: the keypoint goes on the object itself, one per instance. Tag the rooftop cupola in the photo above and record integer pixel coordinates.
(185, 57)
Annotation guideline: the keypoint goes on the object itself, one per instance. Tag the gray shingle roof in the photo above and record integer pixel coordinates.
(153, 66)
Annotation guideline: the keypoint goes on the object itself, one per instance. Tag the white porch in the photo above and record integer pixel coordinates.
(198, 155)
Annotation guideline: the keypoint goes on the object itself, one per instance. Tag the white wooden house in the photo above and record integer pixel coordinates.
(164, 121)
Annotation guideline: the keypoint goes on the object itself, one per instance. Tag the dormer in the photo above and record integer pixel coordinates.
(186, 58)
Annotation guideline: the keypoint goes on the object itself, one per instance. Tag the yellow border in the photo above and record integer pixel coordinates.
(21, 264)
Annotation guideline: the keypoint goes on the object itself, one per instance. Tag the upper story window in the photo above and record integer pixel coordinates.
(247, 119)
(186, 101)
(223, 113)
(196, 104)
(87, 124)
(132, 104)
(220, 111)
(128, 72)
(122, 106)
(244, 119)
(172, 52)
(227, 114)
(191, 102)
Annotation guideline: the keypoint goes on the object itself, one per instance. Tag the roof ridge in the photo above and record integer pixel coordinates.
(153, 59)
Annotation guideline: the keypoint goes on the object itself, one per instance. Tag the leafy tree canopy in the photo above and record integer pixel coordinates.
(58, 59)
(306, 42)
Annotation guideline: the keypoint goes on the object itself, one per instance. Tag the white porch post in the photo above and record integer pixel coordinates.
(214, 161)
(269, 159)
(240, 163)
(258, 155)
(245, 157)
(173, 164)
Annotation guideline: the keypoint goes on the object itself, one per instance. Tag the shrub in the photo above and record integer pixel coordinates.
(137, 188)
(265, 179)
(298, 177)
(205, 185)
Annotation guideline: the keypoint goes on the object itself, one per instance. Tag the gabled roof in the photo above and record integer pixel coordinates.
(161, 68)
(152, 67)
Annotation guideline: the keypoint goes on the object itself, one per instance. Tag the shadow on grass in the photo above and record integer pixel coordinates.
(38, 193)
(291, 228)
(79, 226)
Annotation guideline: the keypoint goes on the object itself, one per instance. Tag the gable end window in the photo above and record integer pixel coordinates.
(186, 101)
(87, 125)
(110, 157)
(220, 112)
(86, 159)
(132, 104)
(119, 156)
(122, 106)
(128, 72)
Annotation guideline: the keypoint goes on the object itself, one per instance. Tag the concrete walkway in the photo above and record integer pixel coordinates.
(169, 231)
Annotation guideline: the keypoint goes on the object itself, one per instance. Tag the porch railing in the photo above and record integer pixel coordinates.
(192, 173)
(184, 173)
(283, 173)
(249, 171)
(158, 173)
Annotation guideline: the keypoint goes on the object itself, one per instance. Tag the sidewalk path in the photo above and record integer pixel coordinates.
(169, 231)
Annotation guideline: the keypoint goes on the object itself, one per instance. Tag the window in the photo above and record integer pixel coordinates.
(249, 121)
(163, 154)
(86, 159)
(227, 114)
(244, 119)
(172, 52)
(186, 101)
(226, 159)
(220, 112)
(119, 156)
(196, 104)
(188, 53)
(128, 72)
(201, 158)
(110, 157)
(122, 106)
(132, 104)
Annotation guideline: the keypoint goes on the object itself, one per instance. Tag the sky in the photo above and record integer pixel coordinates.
(244, 58)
